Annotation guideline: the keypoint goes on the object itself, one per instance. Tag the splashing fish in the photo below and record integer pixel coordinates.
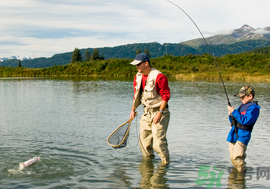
(28, 162)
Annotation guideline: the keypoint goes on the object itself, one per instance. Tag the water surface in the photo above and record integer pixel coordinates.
(67, 122)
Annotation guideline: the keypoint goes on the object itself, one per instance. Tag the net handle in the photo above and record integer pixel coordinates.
(130, 120)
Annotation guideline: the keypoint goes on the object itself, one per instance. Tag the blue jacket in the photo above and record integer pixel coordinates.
(246, 115)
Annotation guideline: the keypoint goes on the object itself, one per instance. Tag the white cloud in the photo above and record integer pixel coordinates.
(261, 31)
(49, 47)
(46, 27)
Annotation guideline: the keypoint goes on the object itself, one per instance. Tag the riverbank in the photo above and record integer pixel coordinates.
(238, 77)
(248, 67)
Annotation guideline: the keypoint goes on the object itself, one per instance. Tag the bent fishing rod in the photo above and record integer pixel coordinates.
(212, 54)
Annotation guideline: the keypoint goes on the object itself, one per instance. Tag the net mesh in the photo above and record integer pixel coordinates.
(118, 139)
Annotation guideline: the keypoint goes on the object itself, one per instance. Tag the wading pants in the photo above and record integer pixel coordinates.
(238, 154)
(153, 136)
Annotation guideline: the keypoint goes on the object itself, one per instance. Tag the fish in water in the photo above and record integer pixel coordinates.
(29, 162)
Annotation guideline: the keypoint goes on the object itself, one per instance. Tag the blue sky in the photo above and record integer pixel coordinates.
(42, 28)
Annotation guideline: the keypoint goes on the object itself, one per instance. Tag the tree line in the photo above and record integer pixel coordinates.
(77, 55)
(191, 66)
(129, 50)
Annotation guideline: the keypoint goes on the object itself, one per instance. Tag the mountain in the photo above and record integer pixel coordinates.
(239, 40)
(263, 50)
(14, 57)
(123, 51)
(245, 33)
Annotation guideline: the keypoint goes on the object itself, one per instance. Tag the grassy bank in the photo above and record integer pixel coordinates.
(239, 67)
(226, 77)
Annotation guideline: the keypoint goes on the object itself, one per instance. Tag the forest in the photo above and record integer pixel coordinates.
(129, 51)
(235, 67)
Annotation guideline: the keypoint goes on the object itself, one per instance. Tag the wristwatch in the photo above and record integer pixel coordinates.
(161, 111)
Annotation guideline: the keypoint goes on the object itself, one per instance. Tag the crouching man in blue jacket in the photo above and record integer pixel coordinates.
(243, 120)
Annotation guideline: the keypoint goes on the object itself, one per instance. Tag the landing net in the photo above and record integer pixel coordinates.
(118, 138)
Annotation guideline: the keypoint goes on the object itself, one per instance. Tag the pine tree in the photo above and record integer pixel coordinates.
(76, 56)
(138, 51)
(146, 51)
(20, 64)
(101, 57)
(87, 56)
(95, 55)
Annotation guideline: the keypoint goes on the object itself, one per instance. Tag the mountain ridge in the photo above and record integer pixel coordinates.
(244, 33)
(239, 40)
(15, 57)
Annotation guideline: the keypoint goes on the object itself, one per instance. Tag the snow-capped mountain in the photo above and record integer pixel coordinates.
(244, 33)
(14, 57)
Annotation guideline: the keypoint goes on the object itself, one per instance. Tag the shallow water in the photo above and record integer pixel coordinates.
(67, 122)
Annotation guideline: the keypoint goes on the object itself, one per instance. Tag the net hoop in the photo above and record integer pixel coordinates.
(126, 134)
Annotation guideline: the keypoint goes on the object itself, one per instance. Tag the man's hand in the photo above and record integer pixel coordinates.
(132, 113)
(157, 117)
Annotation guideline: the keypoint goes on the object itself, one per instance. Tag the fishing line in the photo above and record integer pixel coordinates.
(211, 53)
(136, 134)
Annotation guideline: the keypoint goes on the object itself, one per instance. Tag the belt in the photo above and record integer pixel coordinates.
(167, 106)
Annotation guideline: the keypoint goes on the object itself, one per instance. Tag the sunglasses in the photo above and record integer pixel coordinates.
(140, 63)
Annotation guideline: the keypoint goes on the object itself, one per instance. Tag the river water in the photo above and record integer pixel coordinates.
(67, 122)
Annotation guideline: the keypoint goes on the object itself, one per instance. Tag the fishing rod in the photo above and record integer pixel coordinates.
(212, 54)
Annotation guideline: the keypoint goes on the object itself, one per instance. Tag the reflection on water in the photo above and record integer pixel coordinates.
(152, 177)
(68, 120)
(236, 179)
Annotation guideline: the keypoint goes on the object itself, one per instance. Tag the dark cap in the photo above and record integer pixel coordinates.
(142, 57)
(245, 91)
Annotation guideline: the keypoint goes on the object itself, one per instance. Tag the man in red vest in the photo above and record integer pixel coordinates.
(151, 90)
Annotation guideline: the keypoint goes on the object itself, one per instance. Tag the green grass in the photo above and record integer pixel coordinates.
(244, 66)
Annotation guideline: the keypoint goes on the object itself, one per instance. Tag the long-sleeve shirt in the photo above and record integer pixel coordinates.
(247, 118)
(161, 85)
